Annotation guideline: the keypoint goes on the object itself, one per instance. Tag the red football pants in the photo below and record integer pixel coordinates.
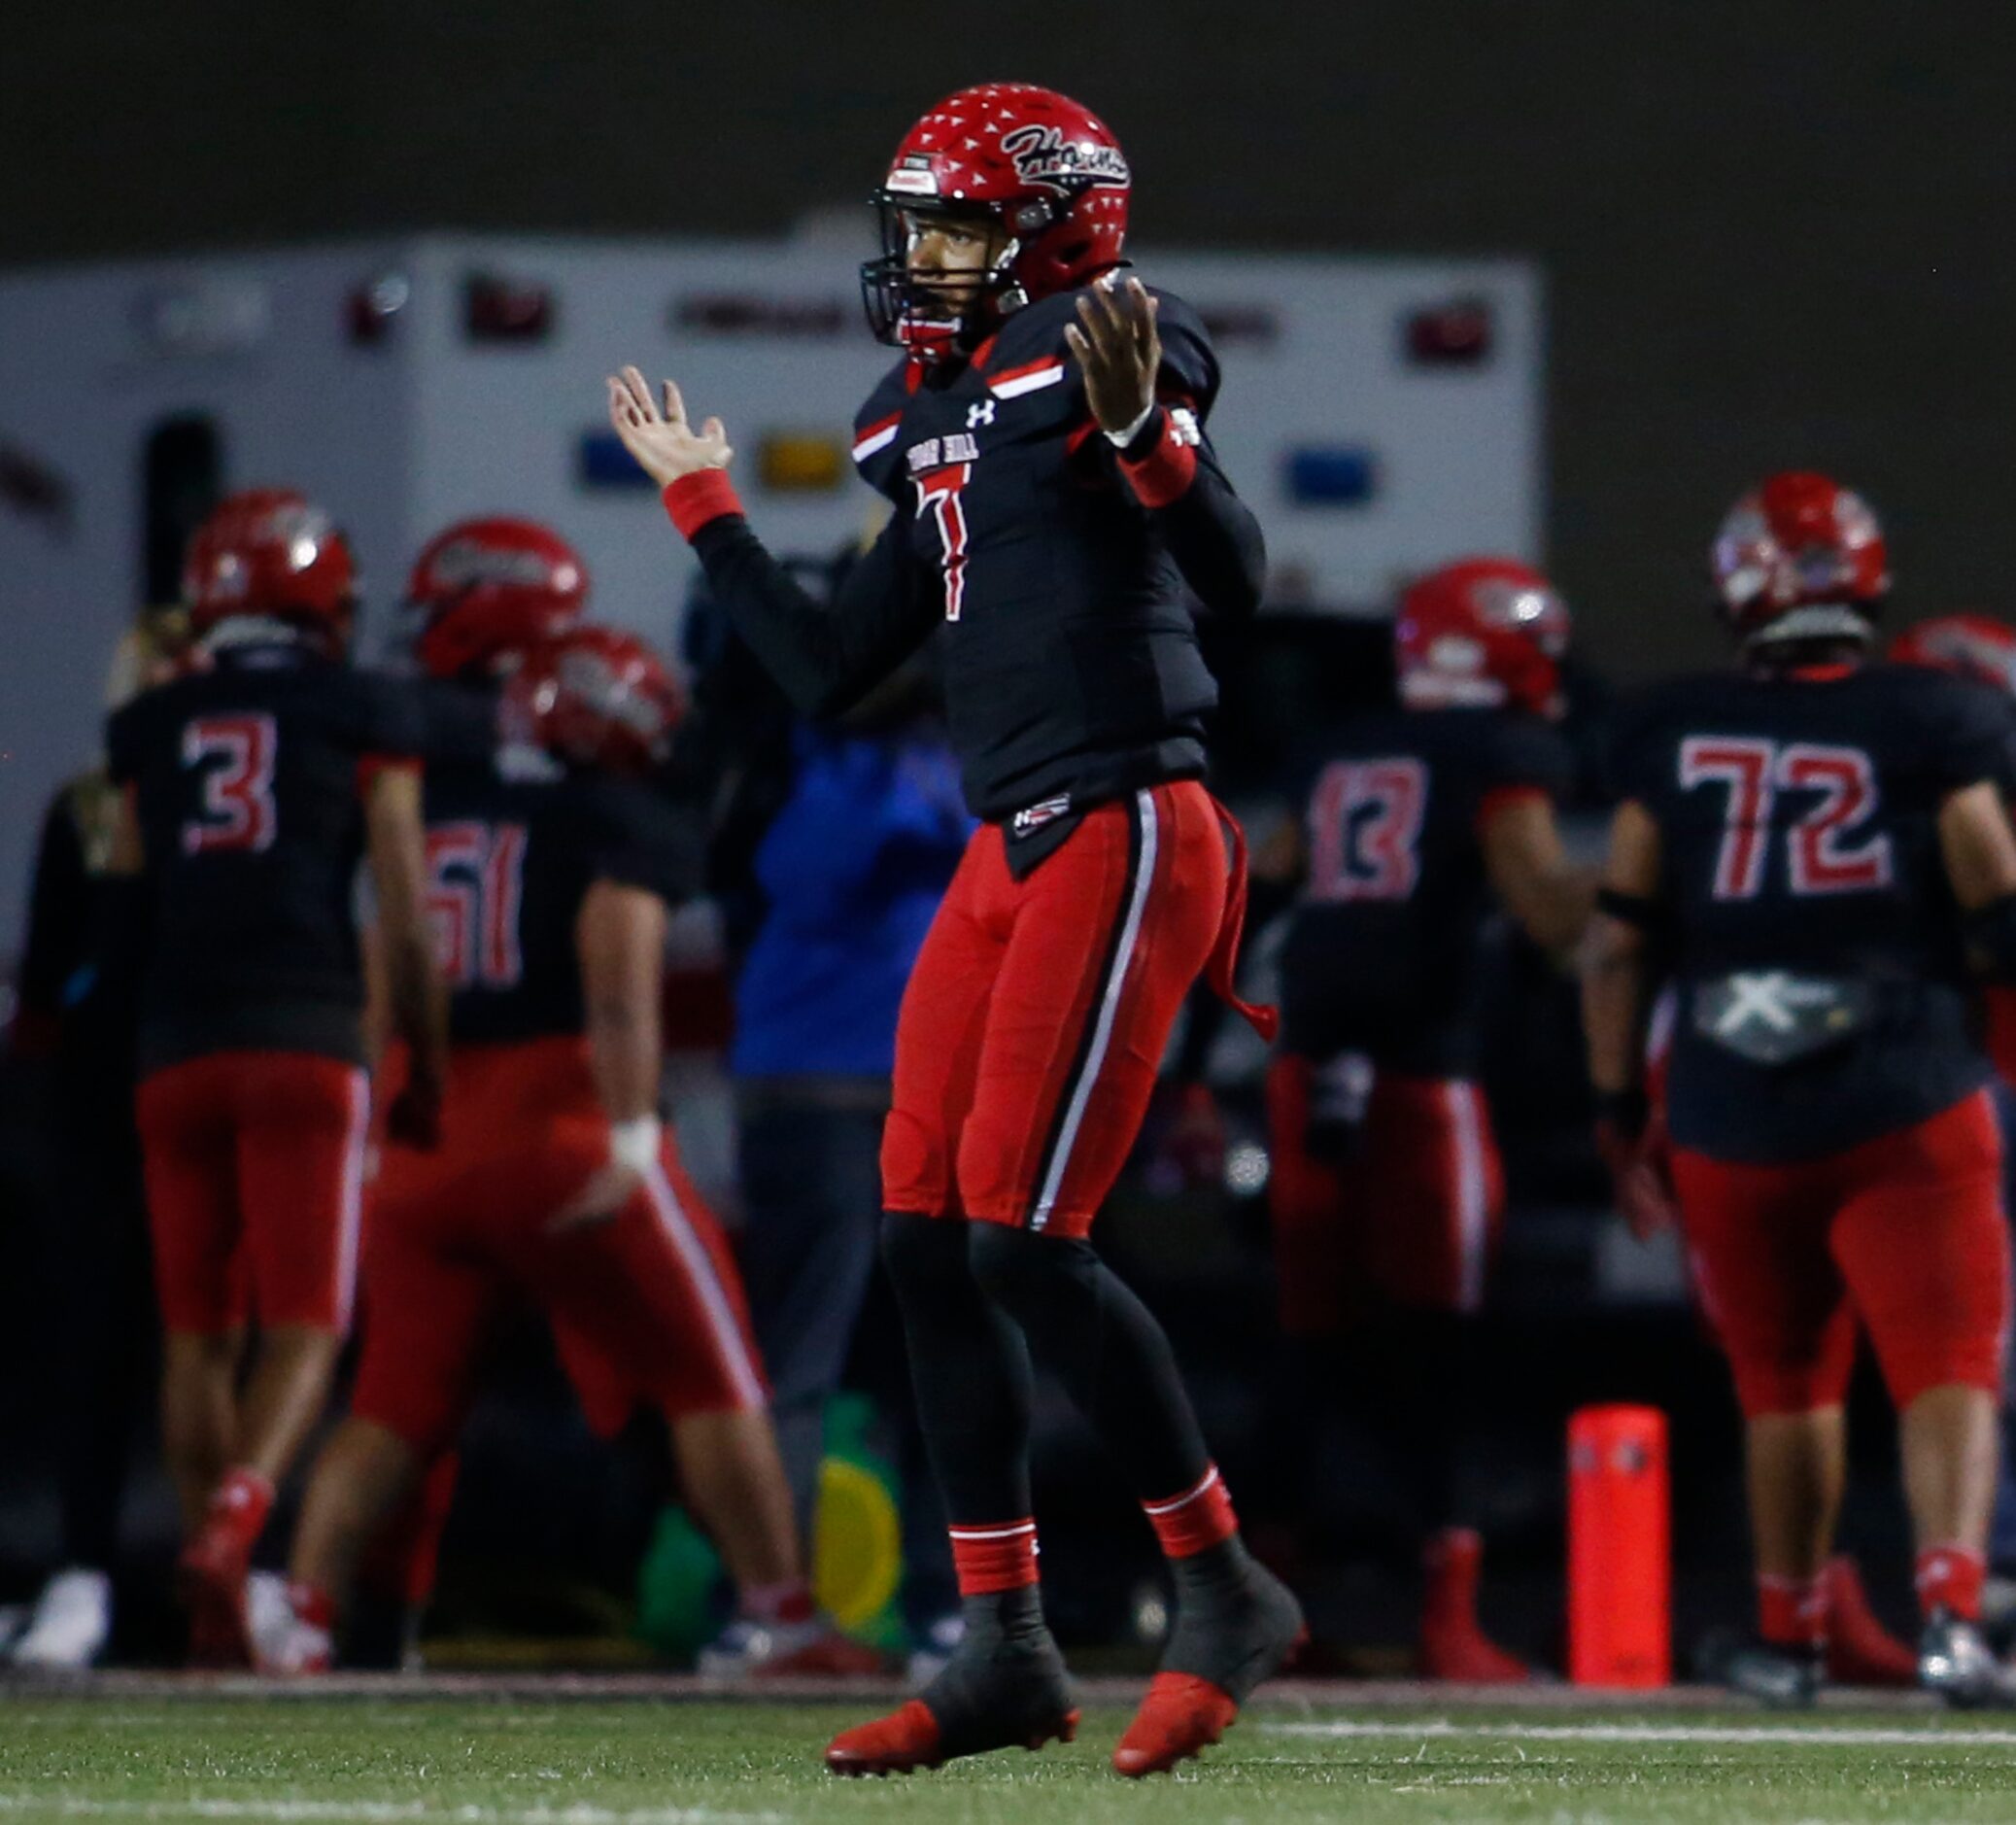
(645, 1307)
(254, 1164)
(1038, 1013)
(1407, 1219)
(1905, 1230)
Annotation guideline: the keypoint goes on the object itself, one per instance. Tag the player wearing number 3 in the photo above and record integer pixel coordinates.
(1816, 850)
(1057, 505)
(253, 784)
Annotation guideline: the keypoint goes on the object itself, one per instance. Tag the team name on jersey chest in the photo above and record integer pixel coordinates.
(933, 453)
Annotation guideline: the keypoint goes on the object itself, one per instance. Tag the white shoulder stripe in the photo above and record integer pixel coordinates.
(873, 441)
(1013, 386)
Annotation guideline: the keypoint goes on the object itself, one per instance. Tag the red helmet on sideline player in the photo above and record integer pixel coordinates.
(598, 697)
(1483, 632)
(1800, 558)
(1976, 646)
(489, 587)
(1042, 167)
(271, 554)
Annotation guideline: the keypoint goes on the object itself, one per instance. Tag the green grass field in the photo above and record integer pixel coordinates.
(518, 1762)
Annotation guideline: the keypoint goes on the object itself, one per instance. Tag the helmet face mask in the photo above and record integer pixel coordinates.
(1044, 174)
(1800, 560)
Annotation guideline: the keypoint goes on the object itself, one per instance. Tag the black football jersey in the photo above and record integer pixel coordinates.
(1801, 870)
(1382, 951)
(247, 780)
(514, 844)
(1073, 671)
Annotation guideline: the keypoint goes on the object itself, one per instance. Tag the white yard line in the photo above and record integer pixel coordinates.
(1853, 1738)
(376, 1811)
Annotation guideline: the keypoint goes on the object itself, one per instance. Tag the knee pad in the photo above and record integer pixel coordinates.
(1038, 1280)
(922, 1253)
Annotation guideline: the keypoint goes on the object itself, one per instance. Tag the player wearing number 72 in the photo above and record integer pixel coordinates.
(1057, 507)
(255, 783)
(1815, 849)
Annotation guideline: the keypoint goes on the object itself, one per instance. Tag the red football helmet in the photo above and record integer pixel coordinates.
(1976, 646)
(270, 553)
(1800, 558)
(1043, 169)
(598, 697)
(1483, 632)
(490, 588)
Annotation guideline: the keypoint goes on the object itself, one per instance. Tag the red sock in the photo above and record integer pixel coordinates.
(1949, 1578)
(788, 1600)
(1197, 1519)
(994, 1557)
(241, 1503)
(1791, 1612)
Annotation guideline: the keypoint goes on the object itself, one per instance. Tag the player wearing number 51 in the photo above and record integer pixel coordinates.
(1814, 849)
(1058, 506)
(253, 784)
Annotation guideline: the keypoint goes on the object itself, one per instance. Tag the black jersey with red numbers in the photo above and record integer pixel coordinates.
(1382, 951)
(1823, 993)
(249, 781)
(514, 844)
(1062, 569)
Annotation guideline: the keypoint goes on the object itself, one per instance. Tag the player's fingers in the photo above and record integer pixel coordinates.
(714, 432)
(1076, 344)
(1093, 336)
(674, 404)
(639, 391)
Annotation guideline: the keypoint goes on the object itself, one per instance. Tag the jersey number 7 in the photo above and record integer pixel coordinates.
(1823, 854)
(939, 494)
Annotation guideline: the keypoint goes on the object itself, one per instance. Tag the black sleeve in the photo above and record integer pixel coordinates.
(825, 657)
(1625, 748)
(389, 716)
(639, 839)
(122, 743)
(460, 723)
(1529, 752)
(1970, 735)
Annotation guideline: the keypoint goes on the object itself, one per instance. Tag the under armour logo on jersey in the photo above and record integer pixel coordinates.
(981, 413)
(1772, 999)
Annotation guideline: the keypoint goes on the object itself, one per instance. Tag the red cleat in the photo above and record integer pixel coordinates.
(1859, 1650)
(212, 1575)
(909, 1739)
(1181, 1716)
(1453, 1645)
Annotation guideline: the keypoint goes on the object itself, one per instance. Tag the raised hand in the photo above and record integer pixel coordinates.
(664, 445)
(1117, 348)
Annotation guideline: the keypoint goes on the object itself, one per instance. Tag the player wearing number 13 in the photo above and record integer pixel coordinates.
(1815, 845)
(1058, 506)
(254, 784)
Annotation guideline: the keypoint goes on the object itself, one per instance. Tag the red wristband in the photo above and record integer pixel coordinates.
(1164, 473)
(696, 500)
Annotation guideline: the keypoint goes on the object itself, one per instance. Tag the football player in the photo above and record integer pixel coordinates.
(1057, 504)
(254, 783)
(552, 868)
(1814, 845)
(1387, 1190)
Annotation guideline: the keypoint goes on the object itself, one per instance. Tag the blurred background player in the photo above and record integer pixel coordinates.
(1978, 646)
(256, 780)
(551, 866)
(1810, 847)
(72, 1047)
(1057, 510)
(832, 855)
(1386, 1191)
